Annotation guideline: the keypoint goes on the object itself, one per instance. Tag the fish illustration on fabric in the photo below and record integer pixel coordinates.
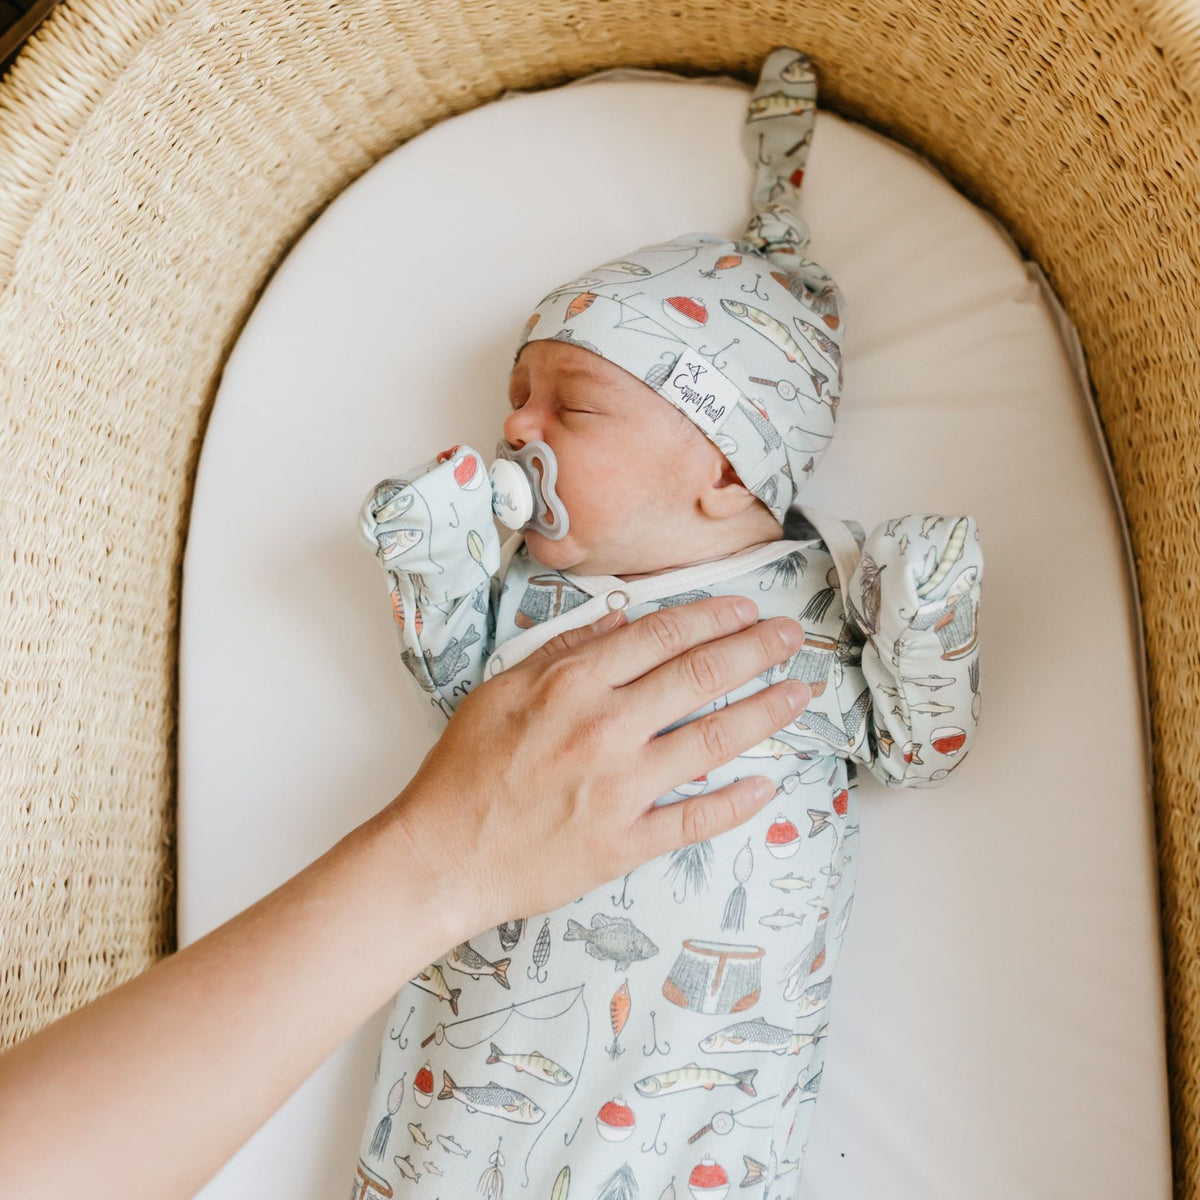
(823, 727)
(774, 331)
(932, 681)
(465, 958)
(433, 981)
(815, 997)
(799, 71)
(405, 1166)
(810, 959)
(819, 341)
(765, 430)
(791, 883)
(452, 1146)
(777, 334)
(778, 104)
(616, 939)
(494, 1100)
(535, 1064)
(418, 1135)
(819, 821)
(682, 1079)
(768, 1172)
(757, 1035)
(396, 543)
(781, 920)
(445, 667)
(942, 566)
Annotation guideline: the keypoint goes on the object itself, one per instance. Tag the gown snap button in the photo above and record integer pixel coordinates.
(616, 600)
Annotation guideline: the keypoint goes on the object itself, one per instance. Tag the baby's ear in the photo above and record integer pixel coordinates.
(726, 495)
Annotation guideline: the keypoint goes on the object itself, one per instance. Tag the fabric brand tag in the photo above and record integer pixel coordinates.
(700, 391)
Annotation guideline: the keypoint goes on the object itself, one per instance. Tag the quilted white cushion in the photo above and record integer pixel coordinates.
(999, 1022)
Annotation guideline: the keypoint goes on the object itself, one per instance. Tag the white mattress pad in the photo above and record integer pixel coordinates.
(999, 1024)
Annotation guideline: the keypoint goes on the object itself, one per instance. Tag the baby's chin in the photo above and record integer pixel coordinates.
(566, 555)
(560, 555)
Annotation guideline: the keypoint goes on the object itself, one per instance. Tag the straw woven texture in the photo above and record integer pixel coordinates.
(157, 159)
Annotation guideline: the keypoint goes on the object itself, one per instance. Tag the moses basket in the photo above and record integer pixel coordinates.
(157, 161)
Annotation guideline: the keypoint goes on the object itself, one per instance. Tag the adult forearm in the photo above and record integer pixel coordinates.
(280, 985)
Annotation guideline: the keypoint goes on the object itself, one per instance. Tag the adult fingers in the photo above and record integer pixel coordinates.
(715, 739)
(693, 678)
(571, 639)
(699, 818)
(628, 654)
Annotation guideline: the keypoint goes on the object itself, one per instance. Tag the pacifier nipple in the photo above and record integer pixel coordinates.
(523, 495)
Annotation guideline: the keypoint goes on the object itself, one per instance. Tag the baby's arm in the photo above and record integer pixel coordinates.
(914, 597)
(432, 530)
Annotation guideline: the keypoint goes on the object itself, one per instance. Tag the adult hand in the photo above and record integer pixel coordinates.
(540, 788)
(543, 784)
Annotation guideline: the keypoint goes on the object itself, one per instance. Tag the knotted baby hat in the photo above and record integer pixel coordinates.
(743, 337)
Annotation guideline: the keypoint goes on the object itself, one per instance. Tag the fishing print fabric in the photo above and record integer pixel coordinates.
(663, 1036)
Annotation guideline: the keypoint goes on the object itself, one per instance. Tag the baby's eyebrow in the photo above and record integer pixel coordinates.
(566, 374)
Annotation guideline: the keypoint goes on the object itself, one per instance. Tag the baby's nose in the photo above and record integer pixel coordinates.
(519, 428)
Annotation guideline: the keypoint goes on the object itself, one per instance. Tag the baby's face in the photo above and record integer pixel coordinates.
(630, 465)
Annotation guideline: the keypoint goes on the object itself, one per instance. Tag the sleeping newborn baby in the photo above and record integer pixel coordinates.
(663, 1036)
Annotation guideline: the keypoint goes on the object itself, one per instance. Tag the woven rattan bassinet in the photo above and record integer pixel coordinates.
(157, 159)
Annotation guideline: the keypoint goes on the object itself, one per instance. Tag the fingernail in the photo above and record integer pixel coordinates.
(797, 693)
(747, 610)
(608, 621)
(791, 635)
(764, 789)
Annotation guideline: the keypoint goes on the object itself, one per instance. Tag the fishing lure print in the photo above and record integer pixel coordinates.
(618, 1011)
(383, 1131)
(690, 867)
(735, 907)
(541, 954)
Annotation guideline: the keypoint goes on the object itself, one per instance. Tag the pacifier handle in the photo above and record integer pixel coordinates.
(523, 489)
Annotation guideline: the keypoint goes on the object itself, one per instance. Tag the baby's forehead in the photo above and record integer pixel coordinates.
(601, 379)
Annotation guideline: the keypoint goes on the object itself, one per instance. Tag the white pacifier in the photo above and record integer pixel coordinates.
(523, 495)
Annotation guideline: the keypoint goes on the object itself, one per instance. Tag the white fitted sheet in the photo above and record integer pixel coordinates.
(999, 1028)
